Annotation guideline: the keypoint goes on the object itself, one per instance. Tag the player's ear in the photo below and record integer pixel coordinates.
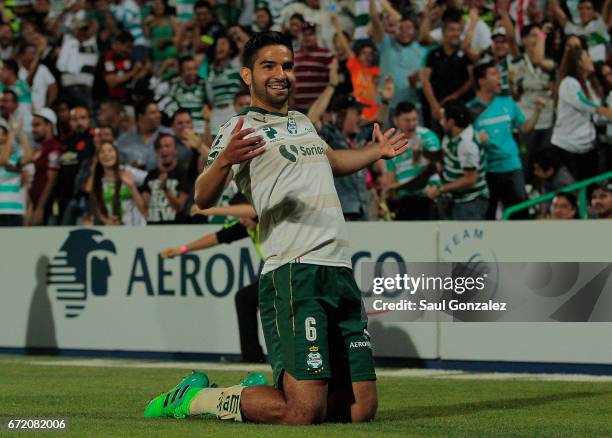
(246, 75)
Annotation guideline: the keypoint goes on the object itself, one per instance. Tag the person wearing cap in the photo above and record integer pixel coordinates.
(12, 162)
(502, 52)
(345, 132)
(601, 199)
(311, 67)
(46, 167)
(315, 12)
(532, 78)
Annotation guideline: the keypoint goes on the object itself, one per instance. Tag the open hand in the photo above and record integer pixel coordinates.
(388, 144)
(168, 253)
(239, 148)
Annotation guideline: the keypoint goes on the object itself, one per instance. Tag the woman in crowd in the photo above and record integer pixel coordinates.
(574, 132)
(115, 198)
(161, 28)
(223, 81)
(564, 206)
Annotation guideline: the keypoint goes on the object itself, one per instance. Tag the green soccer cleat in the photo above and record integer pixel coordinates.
(175, 403)
(254, 379)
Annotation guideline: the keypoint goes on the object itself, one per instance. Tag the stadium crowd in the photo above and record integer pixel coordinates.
(109, 108)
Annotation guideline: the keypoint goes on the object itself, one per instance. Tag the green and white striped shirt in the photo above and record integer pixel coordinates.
(407, 167)
(12, 194)
(223, 83)
(464, 153)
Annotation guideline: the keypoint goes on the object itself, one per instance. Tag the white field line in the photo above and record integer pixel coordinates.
(406, 372)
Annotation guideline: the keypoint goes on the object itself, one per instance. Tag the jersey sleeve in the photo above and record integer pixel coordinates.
(571, 93)
(469, 155)
(431, 142)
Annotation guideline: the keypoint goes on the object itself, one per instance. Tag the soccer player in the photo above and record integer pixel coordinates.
(310, 305)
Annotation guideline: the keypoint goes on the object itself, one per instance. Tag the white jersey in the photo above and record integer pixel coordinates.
(574, 130)
(291, 187)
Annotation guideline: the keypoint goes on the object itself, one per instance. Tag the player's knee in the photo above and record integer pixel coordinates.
(364, 410)
(311, 414)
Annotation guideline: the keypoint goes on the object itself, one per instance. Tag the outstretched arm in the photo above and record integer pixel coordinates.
(320, 105)
(207, 241)
(238, 210)
(377, 31)
(387, 145)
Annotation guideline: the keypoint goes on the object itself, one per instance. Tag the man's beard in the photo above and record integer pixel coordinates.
(263, 94)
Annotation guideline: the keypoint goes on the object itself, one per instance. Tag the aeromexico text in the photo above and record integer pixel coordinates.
(217, 274)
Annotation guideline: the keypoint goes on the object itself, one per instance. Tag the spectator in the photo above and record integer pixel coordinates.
(37, 76)
(62, 111)
(409, 172)
(119, 70)
(12, 162)
(9, 105)
(498, 116)
(223, 82)
(112, 113)
(574, 133)
(364, 73)
(401, 56)
(345, 86)
(445, 76)
(502, 52)
(532, 79)
(78, 151)
(206, 27)
(161, 27)
(46, 163)
(294, 29)
(463, 172)
(9, 80)
(548, 169)
(601, 200)
(76, 62)
(165, 188)
(136, 146)
(345, 132)
(7, 49)
(564, 206)
(311, 69)
(319, 16)
(590, 25)
(263, 20)
(182, 128)
(189, 91)
(115, 198)
(129, 16)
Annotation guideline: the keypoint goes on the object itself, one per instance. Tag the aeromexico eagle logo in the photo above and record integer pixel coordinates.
(80, 268)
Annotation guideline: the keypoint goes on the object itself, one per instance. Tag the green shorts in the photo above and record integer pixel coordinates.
(311, 318)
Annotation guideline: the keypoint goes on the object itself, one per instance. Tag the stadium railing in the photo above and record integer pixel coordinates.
(580, 187)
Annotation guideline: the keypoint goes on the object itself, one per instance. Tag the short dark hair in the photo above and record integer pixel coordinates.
(202, 4)
(12, 93)
(451, 16)
(184, 59)
(480, 71)
(526, 30)
(260, 40)
(298, 17)
(124, 37)
(403, 108)
(456, 111)
(11, 64)
(546, 158)
(570, 197)
(160, 137)
(141, 108)
(179, 112)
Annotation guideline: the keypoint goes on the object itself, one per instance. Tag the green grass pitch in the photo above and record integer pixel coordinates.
(104, 401)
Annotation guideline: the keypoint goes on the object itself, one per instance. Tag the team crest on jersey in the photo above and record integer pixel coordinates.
(314, 361)
(292, 125)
